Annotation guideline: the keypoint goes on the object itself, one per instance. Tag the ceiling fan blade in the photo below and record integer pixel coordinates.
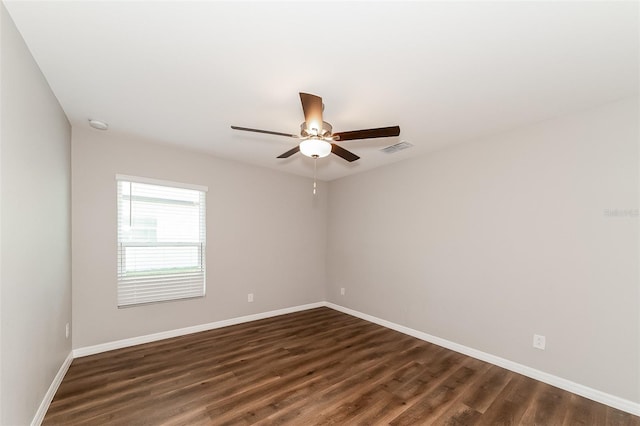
(343, 153)
(381, 132)
(269, 132)
(289, 153)
(312, 107)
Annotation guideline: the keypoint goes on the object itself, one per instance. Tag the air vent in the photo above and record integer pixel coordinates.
(397, 147)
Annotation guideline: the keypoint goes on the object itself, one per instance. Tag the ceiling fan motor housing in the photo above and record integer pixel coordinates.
(325, 132)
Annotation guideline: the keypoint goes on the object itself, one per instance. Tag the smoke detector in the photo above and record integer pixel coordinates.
(97, 124)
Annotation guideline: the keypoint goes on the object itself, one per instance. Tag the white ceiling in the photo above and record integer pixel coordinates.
(181, 73)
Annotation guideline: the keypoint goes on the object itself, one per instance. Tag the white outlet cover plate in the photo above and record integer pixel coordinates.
(539, 341)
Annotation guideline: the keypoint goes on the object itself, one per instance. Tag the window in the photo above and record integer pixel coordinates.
(161, 240)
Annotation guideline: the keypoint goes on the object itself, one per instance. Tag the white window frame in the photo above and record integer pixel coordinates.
(138, 289)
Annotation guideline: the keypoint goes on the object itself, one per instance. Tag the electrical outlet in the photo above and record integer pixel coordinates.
(539, 341)
(342, 291)
(250, 297)
(66, 331)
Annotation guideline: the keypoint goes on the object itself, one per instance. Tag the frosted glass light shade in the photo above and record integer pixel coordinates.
(313, 147)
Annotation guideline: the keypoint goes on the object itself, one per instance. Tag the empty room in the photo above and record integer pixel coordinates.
(306, 213)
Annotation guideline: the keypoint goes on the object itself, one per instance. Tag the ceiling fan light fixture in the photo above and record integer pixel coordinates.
(315, 148)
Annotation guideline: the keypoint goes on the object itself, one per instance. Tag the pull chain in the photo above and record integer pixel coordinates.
(315, 167)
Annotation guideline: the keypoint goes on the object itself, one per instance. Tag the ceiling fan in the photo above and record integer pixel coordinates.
(318, 139)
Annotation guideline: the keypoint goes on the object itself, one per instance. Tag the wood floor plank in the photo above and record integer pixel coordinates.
(511, 404)
(431, 404)
(459, 414)
(493, 381)
(549, 405)
(308, 368)
(584, 412)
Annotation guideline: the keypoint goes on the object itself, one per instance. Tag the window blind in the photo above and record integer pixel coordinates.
(161, 241)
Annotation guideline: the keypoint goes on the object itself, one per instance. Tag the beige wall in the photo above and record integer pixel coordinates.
(489, 242)
(266, 234)
(35, 225)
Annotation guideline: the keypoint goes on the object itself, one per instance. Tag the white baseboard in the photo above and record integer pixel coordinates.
(124, 343)
(51, 392)
(585, 391)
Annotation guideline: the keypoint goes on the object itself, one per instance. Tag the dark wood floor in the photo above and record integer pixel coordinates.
(313, 367)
